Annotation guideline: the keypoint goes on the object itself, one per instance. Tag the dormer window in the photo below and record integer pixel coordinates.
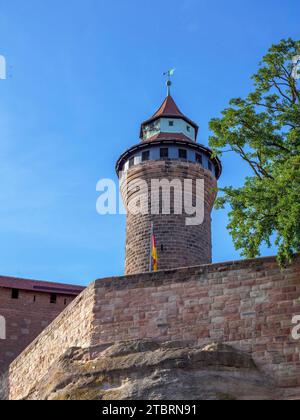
(188, 128)
(171, 123)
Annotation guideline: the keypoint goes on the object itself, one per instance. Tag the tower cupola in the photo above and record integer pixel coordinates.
(169, 122)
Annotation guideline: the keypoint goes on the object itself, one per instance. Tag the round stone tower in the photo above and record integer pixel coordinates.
(168, 184)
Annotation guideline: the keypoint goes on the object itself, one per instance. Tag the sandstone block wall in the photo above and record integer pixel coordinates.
(178, 245)
(248, 305)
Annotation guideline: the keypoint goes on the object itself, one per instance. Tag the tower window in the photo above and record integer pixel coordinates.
(199, 158)
(171, 123)
(182, 154)
(53, 298)
(15, 294)
(210, 166)
(164, 153)
(188, 128)
(131, 162)
(145, 156)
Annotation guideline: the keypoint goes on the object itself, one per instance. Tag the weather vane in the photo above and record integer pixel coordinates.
(169, 74)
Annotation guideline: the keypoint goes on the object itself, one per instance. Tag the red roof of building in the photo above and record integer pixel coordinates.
(169, 109)
(40, 286)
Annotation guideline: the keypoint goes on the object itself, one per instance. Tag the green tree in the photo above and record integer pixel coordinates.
(264, 130)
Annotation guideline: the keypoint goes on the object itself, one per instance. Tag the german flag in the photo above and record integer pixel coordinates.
(154, 253)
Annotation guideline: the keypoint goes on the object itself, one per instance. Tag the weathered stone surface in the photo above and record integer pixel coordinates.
(146, 370)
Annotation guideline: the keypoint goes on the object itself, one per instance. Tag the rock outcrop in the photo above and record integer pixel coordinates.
(146, 370)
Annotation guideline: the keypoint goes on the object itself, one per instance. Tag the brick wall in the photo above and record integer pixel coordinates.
(178, 245)
(72, 328)
(26, 317)
(247, 304)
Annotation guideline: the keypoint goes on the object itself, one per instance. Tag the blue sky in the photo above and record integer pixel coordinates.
(82, 75)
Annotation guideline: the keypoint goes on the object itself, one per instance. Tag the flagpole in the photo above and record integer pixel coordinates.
(151, 238)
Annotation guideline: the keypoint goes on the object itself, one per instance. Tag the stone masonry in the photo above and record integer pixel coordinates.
(178, 245)
(248, 305)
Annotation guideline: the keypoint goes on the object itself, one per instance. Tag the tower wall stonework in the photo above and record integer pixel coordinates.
(178, 245)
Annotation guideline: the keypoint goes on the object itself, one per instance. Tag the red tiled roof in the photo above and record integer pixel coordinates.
(170, 136)
(169, 109)
(40, 286)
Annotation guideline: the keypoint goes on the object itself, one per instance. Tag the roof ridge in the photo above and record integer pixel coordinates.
(38, 285)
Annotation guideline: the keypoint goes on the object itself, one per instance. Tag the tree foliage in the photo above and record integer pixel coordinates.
(264, 130)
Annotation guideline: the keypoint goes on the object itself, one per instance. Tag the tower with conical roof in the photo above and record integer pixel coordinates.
(169, 160)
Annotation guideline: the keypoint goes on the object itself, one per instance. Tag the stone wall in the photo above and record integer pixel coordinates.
(248, 305)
